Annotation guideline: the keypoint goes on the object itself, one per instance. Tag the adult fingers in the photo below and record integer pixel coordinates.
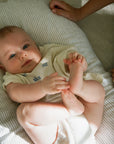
(61, 12)
(59, 5)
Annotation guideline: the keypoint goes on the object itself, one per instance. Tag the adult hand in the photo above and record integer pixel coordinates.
(63, 9)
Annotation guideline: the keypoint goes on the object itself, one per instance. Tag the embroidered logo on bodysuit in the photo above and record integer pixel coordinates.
(24, 74)
(44, 64)
(36, 78)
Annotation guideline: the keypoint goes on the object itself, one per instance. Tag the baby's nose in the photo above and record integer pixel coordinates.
(22, 55)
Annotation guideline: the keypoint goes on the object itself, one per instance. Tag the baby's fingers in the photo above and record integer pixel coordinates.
(55, 77)
(67, 61)
(53, 74)
(61, 87)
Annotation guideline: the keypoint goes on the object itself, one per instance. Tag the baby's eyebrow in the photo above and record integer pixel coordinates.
(26, 40)
(6, 53)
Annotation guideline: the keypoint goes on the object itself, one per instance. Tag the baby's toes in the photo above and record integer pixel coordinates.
(84, 63)
(70, 56)
(80, 58)
(75, 54)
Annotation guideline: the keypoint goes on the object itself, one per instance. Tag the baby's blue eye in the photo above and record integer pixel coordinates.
(25, 46)
(11, 56)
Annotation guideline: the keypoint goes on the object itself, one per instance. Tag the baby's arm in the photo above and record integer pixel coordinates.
(32, 92)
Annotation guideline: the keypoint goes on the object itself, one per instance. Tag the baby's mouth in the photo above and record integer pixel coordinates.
(27, 62)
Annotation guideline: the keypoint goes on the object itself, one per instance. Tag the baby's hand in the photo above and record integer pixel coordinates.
(71, 58)
(54, 83)
(76, 58)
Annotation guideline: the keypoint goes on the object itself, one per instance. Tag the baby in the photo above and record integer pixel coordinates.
(34, 76)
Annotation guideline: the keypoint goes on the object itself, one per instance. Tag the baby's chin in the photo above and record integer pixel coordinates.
(30, 69)
(27, 68)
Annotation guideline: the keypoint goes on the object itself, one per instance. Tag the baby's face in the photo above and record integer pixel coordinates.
(18, 52)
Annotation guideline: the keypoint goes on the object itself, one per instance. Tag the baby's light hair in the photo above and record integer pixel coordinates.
(8, 29)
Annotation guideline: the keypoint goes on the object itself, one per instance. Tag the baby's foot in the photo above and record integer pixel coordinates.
(74, 58)
(77, 65)
(82, 62)
(73, 105)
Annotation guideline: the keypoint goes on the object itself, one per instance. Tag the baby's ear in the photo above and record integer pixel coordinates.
(2, 67)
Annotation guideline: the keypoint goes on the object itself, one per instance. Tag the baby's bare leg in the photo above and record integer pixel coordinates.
(93, 112)
(89, 90)
(40, 120)
(90, 93)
